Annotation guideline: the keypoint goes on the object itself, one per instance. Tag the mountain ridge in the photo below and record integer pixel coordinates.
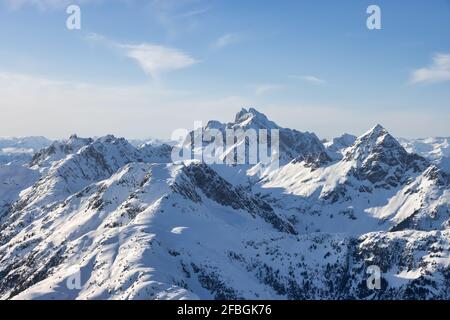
(125, 222)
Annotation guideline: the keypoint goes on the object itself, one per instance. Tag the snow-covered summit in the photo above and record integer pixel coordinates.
(252, 118)
(377, 140)
(132, 225)
(293, 144)
(58, 150)
(380, 158)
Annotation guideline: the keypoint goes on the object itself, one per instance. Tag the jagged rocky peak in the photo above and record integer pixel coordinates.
(76, 142)
(377, 141)
(214, 124)
(156, 153)
(439, 176)
(111, 139)
(116, 151)
(252, 118)
(107, 152)
(294, 145)
(380, 158)
(59, 150)
(64, 174)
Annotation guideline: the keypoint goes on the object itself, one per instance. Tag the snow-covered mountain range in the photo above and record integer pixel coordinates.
(106, 219)
(436, 150)
(21, 150)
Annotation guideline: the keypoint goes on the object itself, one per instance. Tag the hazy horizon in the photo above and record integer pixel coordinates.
(312, 66)
(149, 137)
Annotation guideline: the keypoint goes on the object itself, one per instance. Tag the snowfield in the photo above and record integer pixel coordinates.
(106, 219)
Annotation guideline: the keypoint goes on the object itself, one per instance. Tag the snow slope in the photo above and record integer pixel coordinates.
(20, 150)
(436, 150)
(103, 219)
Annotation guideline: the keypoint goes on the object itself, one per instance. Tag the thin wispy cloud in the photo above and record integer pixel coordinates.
(193, 13)
(438, 71)
(226, 40)
(178, 17)
(309, 79)
(262, 89)
(154, 59)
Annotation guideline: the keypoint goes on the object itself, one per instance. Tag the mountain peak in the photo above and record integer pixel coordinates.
(381, 158)
(375, 141)
(109, 139)
(378, 127)
(253, 118)
(58, 150)
(378, 136)
(377, 131)
(214, 124)
(244, 114)
(75, 142)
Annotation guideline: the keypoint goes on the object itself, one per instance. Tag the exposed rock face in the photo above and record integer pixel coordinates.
(382, 160)
(293, 145)
(58, 150)
(156, 153)
(132, 225)
(222, 192)
(436, 150)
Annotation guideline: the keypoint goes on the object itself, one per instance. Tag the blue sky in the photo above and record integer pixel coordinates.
(140, 68)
